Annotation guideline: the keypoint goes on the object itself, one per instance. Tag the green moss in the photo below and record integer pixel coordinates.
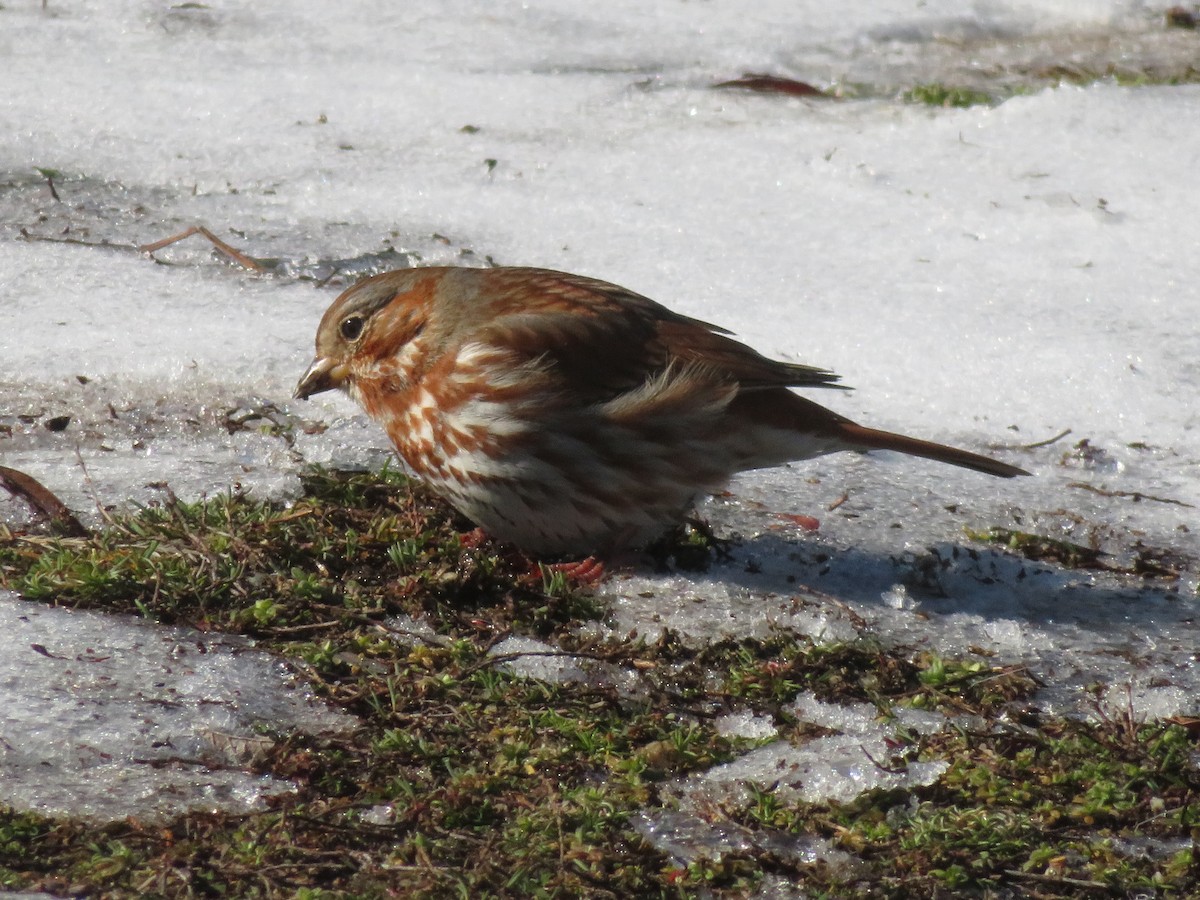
(1042, 809)
(936, 94)
(466, 780)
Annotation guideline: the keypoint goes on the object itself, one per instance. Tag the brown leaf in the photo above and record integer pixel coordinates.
(773, 84)
(37, 496)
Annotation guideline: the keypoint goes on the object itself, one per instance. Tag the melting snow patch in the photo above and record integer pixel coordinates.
(835, 768)
(700, 609)
(745, 724)
(109, 716)
(530, 658)
(686, 836)
(405, 629)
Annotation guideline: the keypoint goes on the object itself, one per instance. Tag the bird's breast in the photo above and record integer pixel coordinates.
(469, 441)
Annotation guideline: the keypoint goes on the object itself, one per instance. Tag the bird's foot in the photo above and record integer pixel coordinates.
(578, 573)
(474, 539)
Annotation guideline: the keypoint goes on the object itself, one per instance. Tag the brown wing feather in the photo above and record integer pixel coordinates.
(605, 339)
(693, 341)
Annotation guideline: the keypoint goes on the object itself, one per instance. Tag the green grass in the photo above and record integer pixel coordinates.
(1039, 809)
(936, 94)
(465, 780)
(952, 96)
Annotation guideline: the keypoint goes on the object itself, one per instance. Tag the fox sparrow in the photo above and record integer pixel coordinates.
(565, 414)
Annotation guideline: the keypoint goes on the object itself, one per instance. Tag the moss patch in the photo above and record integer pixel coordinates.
(466, 780)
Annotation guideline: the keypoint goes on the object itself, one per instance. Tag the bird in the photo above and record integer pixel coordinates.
(566, 415)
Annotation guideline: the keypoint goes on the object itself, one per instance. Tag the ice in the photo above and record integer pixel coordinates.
(745, 724)
(531, 658)
(897, 597)
(406, 629)
(859, 718)
(992, 277)
(687, 836)
(837, 767)
(109, 716)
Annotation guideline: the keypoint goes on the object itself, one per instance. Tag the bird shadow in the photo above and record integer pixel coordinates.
(945, 578)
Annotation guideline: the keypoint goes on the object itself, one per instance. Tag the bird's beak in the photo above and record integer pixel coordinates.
(324, 374)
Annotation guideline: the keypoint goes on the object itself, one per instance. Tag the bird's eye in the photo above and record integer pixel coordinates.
(352, 327)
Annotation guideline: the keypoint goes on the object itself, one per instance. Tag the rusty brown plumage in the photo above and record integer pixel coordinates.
(566, 414)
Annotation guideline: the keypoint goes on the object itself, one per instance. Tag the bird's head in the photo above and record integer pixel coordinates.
(371, 331)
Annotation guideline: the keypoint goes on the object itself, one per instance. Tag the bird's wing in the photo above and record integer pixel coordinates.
(691, 340)
(604, 340)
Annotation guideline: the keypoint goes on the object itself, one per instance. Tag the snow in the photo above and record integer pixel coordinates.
(989, 277)
(108, 716)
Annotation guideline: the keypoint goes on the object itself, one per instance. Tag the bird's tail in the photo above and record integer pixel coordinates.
(874, 439)
(798, 428)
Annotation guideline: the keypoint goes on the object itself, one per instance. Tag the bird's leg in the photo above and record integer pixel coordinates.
(579, 573)
(587, 572)
(474, 539)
